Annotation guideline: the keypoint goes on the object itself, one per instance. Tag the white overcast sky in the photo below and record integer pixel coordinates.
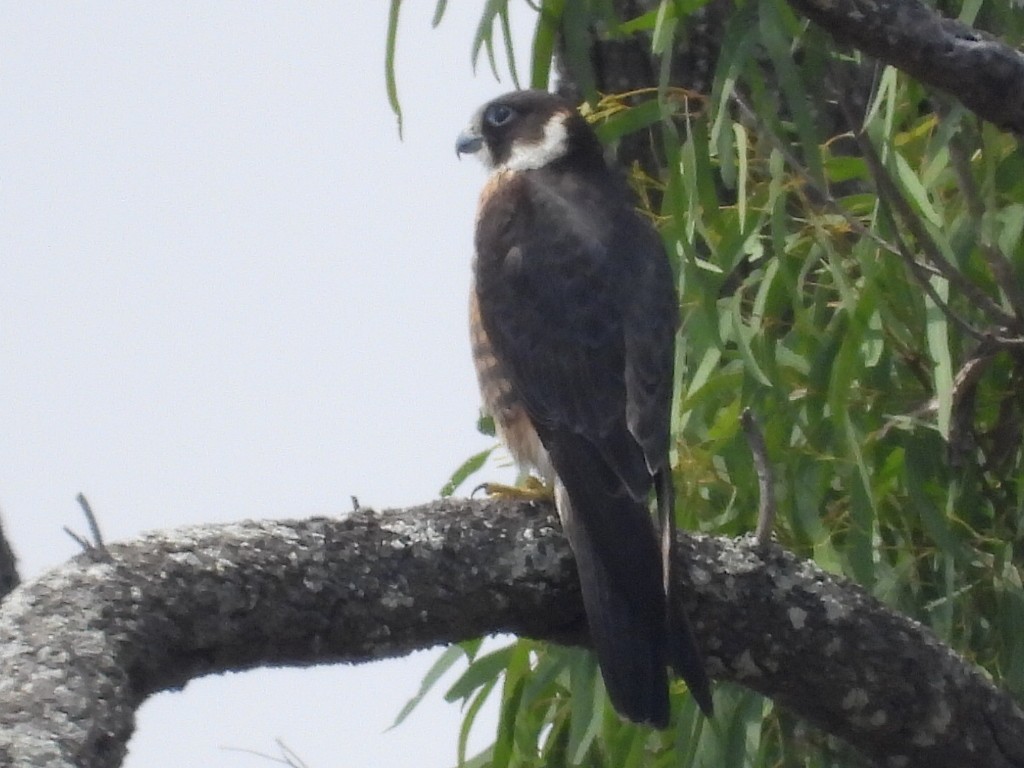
(228, 290)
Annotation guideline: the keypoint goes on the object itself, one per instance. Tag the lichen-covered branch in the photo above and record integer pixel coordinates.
(826, 650)
(82, 646)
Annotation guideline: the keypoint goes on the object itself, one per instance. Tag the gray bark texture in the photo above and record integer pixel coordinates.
(986, 75)
(82, 646)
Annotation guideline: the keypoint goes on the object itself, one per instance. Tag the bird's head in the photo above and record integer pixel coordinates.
(524, 130)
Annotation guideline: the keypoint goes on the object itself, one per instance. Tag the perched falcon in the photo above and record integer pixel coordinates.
(574, 315)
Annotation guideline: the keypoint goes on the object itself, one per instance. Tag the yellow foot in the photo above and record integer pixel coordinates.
(531, 489)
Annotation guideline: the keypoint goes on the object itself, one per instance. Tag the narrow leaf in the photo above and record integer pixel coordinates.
(629, 120)
(484, 671)
(587, 705)
(439, 10)
(506, 37)
(482, 38)
(549, 19)
(390, 80)
(938, 346)
(576, 48)
(467, 468)
(467, 722)
(443, 664)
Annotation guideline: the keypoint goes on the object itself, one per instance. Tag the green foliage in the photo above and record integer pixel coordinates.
(851, 289)
(468, 468)
(495, 14)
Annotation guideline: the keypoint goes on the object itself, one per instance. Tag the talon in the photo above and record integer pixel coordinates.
(531, 489)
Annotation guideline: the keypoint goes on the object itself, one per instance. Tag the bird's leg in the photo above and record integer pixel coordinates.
(529, 488)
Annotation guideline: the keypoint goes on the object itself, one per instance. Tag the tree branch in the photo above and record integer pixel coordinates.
(982, 72)
(82, 646)
(985, 74)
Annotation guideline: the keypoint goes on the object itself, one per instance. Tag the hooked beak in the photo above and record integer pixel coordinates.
(468, 143)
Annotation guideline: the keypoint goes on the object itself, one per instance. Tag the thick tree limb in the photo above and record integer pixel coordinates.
(985, 74)
(982, 72)
(82, 646)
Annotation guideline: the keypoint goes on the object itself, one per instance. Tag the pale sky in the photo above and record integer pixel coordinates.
(228, 290)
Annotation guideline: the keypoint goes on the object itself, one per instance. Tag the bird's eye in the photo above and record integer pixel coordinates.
(498, 114)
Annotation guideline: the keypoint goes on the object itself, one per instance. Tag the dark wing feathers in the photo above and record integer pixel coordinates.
(650, 329)
(561, 314)
(577, 299)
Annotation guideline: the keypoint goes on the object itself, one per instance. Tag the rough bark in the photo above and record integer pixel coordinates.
(986, 75)
(82, 646)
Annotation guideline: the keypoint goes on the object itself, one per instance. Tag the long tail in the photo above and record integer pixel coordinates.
(620, 576)
(684, 653)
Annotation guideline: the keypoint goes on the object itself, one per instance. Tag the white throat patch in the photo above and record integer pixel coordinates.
(552, 146)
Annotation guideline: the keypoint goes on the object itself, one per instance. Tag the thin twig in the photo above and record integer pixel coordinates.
(763, 129)
(962, 440)
(288, 756)
(889, 191)
(997, 261)
(96, 545)
(1002, 270)
(80, 540)
(919, 272)
(965, 179)
(923, 274)
(90, 516)
(766, 508)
